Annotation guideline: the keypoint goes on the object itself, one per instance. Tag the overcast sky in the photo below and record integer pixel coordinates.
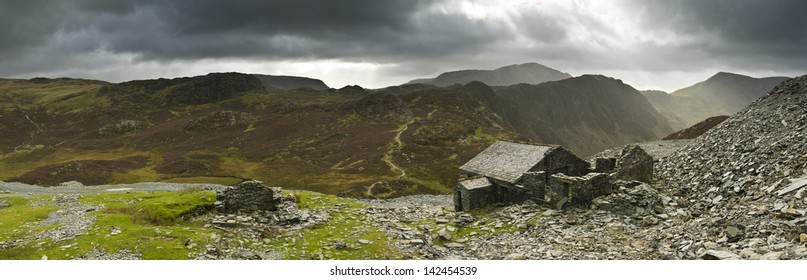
(648, 44)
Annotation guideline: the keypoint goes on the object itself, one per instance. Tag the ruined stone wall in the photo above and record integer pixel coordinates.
(634, 164)
(512, 194)
(563, 161)
(578, 190)
(557, 193)
(591, 186)
(604, 165)
(248, 196)
(535, 182)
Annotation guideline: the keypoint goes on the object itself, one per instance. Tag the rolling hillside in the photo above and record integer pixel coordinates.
(225, 127)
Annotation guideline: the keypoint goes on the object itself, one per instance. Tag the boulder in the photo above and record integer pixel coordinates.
(719, 255)
(121, 128)
(218, 119)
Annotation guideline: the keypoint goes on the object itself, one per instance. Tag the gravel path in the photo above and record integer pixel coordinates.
(71, 220)
(15, 189)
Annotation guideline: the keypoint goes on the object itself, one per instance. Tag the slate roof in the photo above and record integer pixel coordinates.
(476, 183)
(506, 161)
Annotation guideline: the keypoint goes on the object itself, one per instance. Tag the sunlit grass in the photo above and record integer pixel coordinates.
(154, 225)
(343, 226)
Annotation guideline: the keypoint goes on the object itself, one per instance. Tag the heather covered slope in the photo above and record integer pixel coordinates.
(586, 114)
(225, 127)
(529, 73)
(696, 130)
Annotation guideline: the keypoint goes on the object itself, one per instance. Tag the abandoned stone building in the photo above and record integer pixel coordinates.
(508, 172)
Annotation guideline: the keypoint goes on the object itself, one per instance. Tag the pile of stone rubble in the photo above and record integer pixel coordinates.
(247, 212)
(743, 182)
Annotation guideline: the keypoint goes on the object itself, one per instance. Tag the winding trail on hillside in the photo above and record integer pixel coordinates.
(395, 145)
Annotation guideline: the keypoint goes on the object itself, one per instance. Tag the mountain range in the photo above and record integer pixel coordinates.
(299, 133)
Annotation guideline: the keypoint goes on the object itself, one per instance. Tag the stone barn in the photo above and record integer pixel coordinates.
(512, 173)
(508, 172)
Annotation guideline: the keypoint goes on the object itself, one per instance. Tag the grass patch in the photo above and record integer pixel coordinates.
(159, 208)
(17, 220)
(352, 118)
(159, 225)
(344, 226)
(156, 225)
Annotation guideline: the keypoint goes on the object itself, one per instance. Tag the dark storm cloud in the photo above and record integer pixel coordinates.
(418, 38)
(740, 33)
(738, 21)
(203, 29)
(170, 30)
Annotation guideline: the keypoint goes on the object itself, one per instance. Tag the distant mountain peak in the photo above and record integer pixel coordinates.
(731, 84)
(724, 93)
(727, 76)
(598, 77)
(529, 73)
(527, 65)
(290, 82)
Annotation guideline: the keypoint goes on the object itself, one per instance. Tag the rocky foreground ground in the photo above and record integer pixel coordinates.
(639, 221)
